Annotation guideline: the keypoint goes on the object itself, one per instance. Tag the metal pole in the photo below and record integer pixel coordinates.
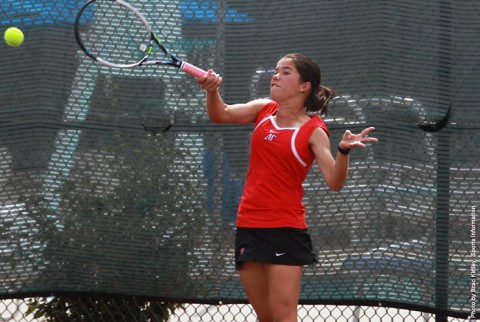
(443, 168)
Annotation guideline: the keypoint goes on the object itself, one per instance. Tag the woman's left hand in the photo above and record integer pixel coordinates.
(350, 140)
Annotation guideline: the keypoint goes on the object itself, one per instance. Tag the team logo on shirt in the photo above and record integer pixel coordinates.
(270, 137)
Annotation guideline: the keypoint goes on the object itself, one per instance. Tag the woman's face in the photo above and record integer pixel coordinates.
(286, 83)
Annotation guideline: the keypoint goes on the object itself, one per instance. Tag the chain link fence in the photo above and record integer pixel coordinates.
(118, 197)
(130, 309)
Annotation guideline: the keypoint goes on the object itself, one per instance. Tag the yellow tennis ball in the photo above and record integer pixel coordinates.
(13, 37)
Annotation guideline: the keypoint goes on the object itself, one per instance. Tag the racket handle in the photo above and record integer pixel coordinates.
(193, 70)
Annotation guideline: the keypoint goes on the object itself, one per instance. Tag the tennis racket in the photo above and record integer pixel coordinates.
(115, 34)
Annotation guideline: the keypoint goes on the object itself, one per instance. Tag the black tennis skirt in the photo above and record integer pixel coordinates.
(281, 246)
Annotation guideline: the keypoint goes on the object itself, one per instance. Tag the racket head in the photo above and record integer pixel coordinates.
(113, 33)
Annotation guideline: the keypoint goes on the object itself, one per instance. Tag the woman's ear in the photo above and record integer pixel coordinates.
(305, 87)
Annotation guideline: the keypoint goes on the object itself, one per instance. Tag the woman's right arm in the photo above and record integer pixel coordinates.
(219, 112)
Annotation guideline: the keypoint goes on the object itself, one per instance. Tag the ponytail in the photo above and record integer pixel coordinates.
(317, 101)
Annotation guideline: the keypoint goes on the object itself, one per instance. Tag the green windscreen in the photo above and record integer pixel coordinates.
(115, 181)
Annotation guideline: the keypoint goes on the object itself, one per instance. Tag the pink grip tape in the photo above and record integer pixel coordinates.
(193, 70)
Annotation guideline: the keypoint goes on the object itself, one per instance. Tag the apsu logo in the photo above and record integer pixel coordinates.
(270, 137)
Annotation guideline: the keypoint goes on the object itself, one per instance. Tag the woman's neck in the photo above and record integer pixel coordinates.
(288, 116)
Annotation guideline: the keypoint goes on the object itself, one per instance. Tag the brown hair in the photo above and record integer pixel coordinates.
(317, 100)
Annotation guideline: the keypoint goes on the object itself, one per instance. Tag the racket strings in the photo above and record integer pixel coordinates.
(115, 34)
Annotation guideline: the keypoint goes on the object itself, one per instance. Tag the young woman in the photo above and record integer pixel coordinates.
(272, 244)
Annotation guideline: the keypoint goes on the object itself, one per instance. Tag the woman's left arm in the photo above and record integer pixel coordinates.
(335, 170)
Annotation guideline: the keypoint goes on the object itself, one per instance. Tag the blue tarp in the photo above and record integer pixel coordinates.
(38, 12)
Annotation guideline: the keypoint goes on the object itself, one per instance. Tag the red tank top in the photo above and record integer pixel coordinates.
(279, 162)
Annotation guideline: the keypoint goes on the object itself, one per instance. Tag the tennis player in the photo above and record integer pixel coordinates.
(272, 244)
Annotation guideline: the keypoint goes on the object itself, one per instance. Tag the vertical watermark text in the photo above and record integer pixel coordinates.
(473, 264)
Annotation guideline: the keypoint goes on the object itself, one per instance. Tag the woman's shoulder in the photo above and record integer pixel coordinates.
(316, 122)
(264, 107)
(260, 103)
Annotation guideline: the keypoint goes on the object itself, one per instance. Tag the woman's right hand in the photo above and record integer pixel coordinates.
(210, 82)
